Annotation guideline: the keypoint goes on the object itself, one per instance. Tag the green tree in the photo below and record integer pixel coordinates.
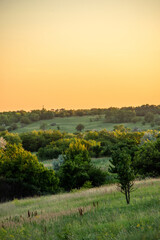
(43, 126)
(12, 138)
(22, 166)
(77, 168)
(149, 117)
(147, 158)
(122, 165)
(80, 127)
(34, 117)
(25, 120)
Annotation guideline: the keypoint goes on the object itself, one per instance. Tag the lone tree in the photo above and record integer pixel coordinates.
(43, 126)
(122, 166)
(80, 127)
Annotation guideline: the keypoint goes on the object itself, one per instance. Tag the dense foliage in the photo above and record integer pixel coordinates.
(21, 167)
(77, 168)
(147, 159)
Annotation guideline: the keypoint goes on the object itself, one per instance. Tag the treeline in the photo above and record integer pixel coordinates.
(9, 120)
(50, 144)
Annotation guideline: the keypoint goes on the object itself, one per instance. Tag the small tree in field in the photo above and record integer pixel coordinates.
(43, 126)
(80, 127)
(122, 166)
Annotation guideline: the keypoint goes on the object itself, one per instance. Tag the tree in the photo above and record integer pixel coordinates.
(43, 126)
(25, 120)
(147, 158)
(12, 138)
(123, 167)
(80, 127)
(21, 166)
(149, 117)
(121, 128)
(34, 117)
(77, 168)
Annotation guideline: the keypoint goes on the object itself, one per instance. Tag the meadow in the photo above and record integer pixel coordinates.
(93, 214)
(102, 163)
(68, 124)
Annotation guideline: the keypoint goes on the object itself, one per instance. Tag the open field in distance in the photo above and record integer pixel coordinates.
(69, 124)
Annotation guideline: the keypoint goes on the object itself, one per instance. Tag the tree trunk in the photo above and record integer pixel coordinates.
(127, 195)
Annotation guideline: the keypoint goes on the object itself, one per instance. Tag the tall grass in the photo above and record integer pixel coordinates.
(105, 215)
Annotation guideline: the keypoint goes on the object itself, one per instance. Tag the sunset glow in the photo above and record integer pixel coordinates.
(79, 54)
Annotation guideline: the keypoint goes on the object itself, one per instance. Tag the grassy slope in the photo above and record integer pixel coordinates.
(69, 124)
(58, 216)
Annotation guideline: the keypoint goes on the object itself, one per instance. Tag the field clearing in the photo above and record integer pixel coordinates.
(68, 124)
(105, 215)
(102, 163)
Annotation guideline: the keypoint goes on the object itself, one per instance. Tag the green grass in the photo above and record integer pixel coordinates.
(68, 124)
(102, 163)
(58, 216)
(48, 163)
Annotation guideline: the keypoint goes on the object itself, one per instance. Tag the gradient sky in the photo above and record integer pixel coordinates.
(79, 53)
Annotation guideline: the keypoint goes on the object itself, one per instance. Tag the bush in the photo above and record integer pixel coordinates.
(96, 176)
(25, 120)
(77, 168)
(23, 167)
(2, 128)
(11, 188)
(80, 127)
(147, 159)
(87, 185)
(12, 138)
(48, 152)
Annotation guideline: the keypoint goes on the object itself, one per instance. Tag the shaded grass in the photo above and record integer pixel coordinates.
(58, 216)
(103, 163)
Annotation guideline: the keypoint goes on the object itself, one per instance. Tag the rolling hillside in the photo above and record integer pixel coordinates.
(94, 214)
(69, 124)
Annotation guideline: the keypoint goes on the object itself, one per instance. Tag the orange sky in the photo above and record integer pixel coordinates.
(79, 53)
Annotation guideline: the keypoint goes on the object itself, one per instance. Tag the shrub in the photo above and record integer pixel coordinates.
(77, 168)
(23, 167)
(12, 138)
(147, 159)
(80, 127)
(48, 152)
(96, 176)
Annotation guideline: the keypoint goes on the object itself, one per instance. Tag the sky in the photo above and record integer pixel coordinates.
(79, 53)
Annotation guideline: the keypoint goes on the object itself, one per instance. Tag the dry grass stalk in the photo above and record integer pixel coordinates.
(81, 211)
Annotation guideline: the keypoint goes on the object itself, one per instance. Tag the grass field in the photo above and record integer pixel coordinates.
(105, 215)
(102, 163)
(69, 124)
